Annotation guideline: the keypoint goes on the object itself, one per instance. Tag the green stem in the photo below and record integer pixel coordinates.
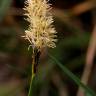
(30, 89)
(35, 60)
(33, 74)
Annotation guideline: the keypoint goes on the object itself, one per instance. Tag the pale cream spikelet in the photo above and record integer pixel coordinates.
(41, 32)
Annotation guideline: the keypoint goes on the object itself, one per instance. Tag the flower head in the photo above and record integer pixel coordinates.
(41, 32)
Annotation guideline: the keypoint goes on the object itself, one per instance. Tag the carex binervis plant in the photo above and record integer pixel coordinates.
(40, 33)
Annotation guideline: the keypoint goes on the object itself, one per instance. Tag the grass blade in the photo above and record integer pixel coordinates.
(72, 76)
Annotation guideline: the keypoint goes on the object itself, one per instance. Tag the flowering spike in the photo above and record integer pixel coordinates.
(41, 32)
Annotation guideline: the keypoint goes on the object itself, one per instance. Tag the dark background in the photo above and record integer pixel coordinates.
(74, 21)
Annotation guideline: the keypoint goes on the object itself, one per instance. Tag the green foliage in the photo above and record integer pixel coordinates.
(9, 89)
(72, 76)
(63, 55)
(4, 6)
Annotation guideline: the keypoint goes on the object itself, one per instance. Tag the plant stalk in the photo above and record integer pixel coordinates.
(35, 61)
(33, 72)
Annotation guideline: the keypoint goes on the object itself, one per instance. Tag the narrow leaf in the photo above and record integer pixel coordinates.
(72, 76)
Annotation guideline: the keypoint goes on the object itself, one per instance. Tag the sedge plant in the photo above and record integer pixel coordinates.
(41, 32)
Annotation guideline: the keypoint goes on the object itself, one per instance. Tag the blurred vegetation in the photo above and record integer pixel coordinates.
(74, 29)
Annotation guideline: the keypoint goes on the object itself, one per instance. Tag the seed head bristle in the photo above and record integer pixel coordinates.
(41, 32)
